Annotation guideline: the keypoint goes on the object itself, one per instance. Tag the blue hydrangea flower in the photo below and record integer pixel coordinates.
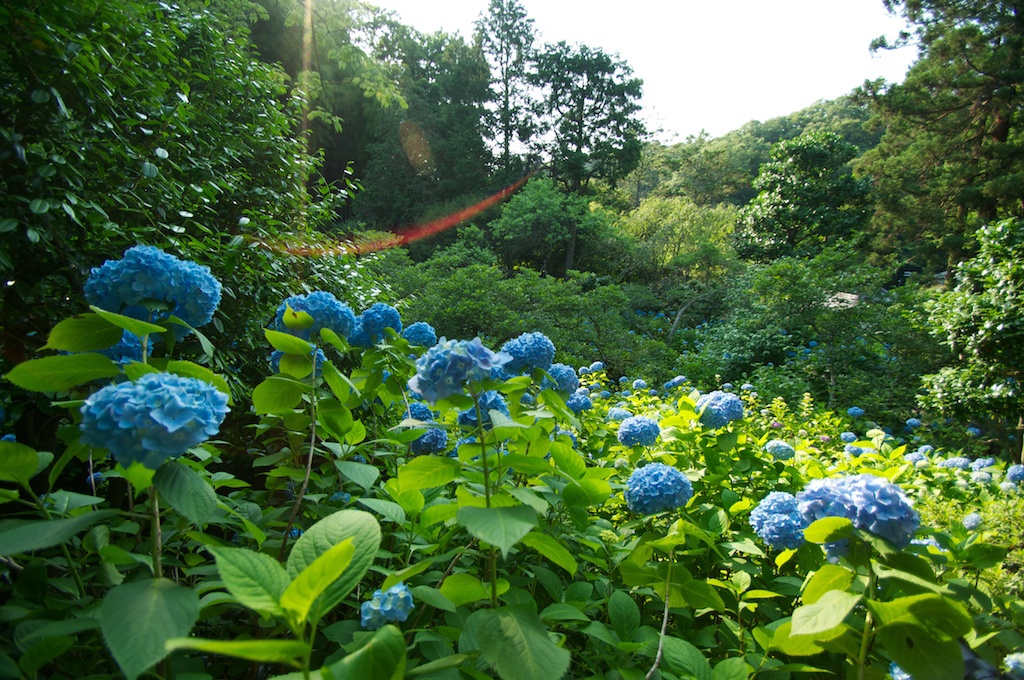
(675, 382)
(727, 386)
(639, 431)
(972, 521)
(569, 433)
(529, 351)
(490, 400)
(780, 449)
(564, 379)
(623, 380)
(393, 605)
(147, 275)
(96, 479)
(374, 320)
(898, 673)
(777, 520)
(596, 366)
(616, 414)
(578, 403)
(158, 416)
(656, 488)
(358, 337)
(432, 441)
(872, 503)
(973, 432)
(853, 451)
(1007, 486)
(746, 387)
(340, 497)
(420, 333)
(913, 423)
(848, 437)
(982, 463)
(915, 457)
(639, 384)
(419, 411)
(718, 408)
(926, 449)
(1015, 473)
(1014, 663)
(9, 438)
(855, 411)
(584, 370)
(956, 462)
(327, 312)
(605, 394)
(448, 366)
(129, 349)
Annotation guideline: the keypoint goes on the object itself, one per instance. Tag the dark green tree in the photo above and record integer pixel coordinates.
(952, 156)
(808, 199)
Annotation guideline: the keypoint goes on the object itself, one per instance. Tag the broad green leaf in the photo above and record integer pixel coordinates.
(568, 460)
(336, 418)
(624, 615)
(186, 491)
(339, 386)
(360, 473)
(942, 617)
(277, 394)
(829, 577)
(501, 527)
(433, 597)
(586, 492)
(731, 669)
(515, 641)
(826, 613)
(529, 465)
(61, 373)
(83, 333)
(683, 659)
(560, 611)
(137, 619)
(442, 664)
(256, 580)
(266, 651)
(700, 595)
(920, 654)
(389, 510)
(364, 531)
(829, 529)
(797, 645)
(442, 512)
(18, 463)
(406, 574)
(24, 536)
(139, 328)
(296, 319)
(462, 588)
(427, 472)
(287, 343)
(381, 658)
(189, 369)
(548, 546)
(297, 366)
(299, 596)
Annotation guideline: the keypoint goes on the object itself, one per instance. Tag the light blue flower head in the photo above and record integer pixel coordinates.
(420, 411)
(972, 521)
(157, 417)
(848, 437)
(639, 384)
(780, 449)
(1014, 663)
(420, 333)
(656, 488)
(617, 414)
(982, 463)
(675, 382)
(327, 312)
(447, 367)
(578, 403)
(719, 408)
(1015, 473)
(855, 411)
(596, 366)
(392, 605)
(565, 379)
(639, 431)
(872, 503)
(129, 349)
(529, 351)
(433, 440)
(956, 462)
(378, 317)
(147, 275)
(490, 400)
(777, 520)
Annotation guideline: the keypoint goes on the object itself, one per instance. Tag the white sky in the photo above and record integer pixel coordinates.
(709, 64)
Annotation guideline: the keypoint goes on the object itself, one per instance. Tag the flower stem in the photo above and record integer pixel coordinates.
(664, 619)
(865, 638)
(309, 462)
(158, 536)
(487, 495)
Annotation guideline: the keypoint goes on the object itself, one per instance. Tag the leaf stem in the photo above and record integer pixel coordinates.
(309, 462)
(158, 536)
(664, 619)
(865, 638)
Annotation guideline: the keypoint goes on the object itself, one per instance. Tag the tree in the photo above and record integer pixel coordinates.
(952, 155)
(982, 322)
(506, 35)
(808, 199)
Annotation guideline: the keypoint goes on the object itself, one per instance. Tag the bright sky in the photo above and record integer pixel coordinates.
(709, 64)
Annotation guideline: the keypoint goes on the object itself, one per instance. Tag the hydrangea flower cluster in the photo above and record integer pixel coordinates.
(157, 417)
(1015, 473)
(916, 457)
(529, 351)
(639, 431)
(420, 333)
(420, 411)
(433, 440)
(972, 521)
(718, 408)
(973, 432)
(596, 366)
(370, 325)
(639, 384)
(957, 462)
(848, 437)
(393, 605)
(982, 463)
(564, 377)
(145, 275)
(129, 349)
(327, 312)
(898, 673)
(853, 451)
(656, 488)
(1014, 663)
(872, 503)
(448, 366)
(675, 382)
(578, 403)
(780, 449)
(490, 400)
(855, 411)
(777, 520)
(617, 414)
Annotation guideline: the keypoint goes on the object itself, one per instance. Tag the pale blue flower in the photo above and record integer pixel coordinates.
(973, 431)
(490, 400)
(898, 673)
(675, 382)
(420, 333)
(639, 384)
(596, 366)
(855, 411)
(656, 488)
(1014, 663)
(616, 414)
(777, 520)
(564, 379)
(447, 367)
(129, 349)
(718, 408)
(956, 462)
(848, 437)
(579, 403)
(420, 411)
(327, 312)
(639, 431)
(780, 449)
(433, 440)
(872, 503)
(972, 521)
(374, 320)
(393, 605)
(1015, 473)
(982, 463)
(529, 351)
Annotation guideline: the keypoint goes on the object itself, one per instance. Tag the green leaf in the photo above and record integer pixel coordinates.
(138, 619)
(287, 343)
(381, 658)
(624, 615)
(515, 641)
(256, 580)
(298, 598)
(360, 473)
(139, 328)
(186, 491)
(586, 492)
(560, 611)
(406, 574)
(568, 460)
(296, 319)
(529, 465)
(829, 529)
(462, 588)
(732, 669)
(501, 527)
(548, 546)
(266, 651)
(942, 617)
(828, 577)
(920, 654)
(149, 170)
(83, 333)
(442, 664)
(189, 369)
(433, 597)
(684, 659)
(364, 531)
(18, 463)
(24, 536)
(389, 510)
(61, 373)
(826, 613)
(700, 595)
(336, 381)
(39, 206)
(426, 472)
(277, 394)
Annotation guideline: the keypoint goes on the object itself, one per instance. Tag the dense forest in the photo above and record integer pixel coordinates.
(860, 250)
